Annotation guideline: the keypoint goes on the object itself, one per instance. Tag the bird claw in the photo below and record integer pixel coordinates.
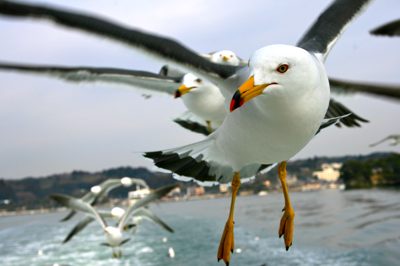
(227, 243)
(286, 227)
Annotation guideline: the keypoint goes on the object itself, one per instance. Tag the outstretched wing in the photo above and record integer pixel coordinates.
(388, 29)
(155, 195)
(78, 205)
(162, 47)
(138, 79)
(139, 182)
(78, 227)
(347, 117)
(68, 216)
(145, 213)
(345, 86)
(323, 34)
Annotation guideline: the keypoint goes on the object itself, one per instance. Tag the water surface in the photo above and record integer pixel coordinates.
(331, 228)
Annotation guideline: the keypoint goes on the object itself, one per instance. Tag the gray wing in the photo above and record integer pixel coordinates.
(347, 117)
(68, 216)
(140, 182)
(388, 29)
(78, 205)
(345, 86)
(108, 185)
(158, 46)
(323, 34)
(78, 227)
(155, 195)
(132, 78)
(145, 213)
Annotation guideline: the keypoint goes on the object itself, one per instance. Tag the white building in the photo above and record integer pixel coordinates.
(330, 172)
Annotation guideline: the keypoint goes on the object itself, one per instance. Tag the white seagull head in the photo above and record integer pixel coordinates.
(225, 57)
(117, 212)
(126, 181)
(190, 83)
(282, 73)
(95, 189)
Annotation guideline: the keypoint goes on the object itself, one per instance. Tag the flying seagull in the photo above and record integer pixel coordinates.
(116, 213)
(205, 102)
(225, 76)
(97, 193)
(113, 234)
(395, 140)
(280, 105)
(388, 29)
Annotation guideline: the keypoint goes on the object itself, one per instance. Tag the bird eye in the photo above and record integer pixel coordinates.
(198, 80)
(231, 56)
(282, 68)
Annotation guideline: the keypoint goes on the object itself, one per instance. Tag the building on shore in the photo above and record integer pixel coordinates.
(330, 172)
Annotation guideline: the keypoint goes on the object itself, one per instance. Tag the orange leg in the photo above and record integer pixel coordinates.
(286, 227)
(226, 244)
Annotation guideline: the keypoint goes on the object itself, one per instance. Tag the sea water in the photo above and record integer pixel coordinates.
(332, 227)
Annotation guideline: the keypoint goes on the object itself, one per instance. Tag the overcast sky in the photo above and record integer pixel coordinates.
(48, 126)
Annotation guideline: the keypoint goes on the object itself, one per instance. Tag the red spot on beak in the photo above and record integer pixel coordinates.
(236, 101)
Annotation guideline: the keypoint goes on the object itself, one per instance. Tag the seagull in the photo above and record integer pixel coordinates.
(205, 103)
(395, 140)
(164, 48)
(98, 192)
(113, 234)
(116, 213)
(388, 29)
(282, 102)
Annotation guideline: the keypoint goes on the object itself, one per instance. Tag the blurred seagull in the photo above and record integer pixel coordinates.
(116, 213)
(280, 105)
(97, 193)
(395, 140)
(389, 29)
(205, 102)
(113, 234)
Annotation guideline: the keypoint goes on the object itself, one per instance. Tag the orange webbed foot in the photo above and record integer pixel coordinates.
(286, 227)
(226, 244)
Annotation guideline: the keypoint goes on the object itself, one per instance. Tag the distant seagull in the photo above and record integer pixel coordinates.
(395, 140)
(97, 193)
(113, 234)
(171, 252)
(116, 213)
(280, 105)
(389, 29)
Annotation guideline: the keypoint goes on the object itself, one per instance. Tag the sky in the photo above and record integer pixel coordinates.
(49, 126)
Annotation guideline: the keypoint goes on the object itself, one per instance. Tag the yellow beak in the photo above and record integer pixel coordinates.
(225, 58)
(182, 90)
(245, 93)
